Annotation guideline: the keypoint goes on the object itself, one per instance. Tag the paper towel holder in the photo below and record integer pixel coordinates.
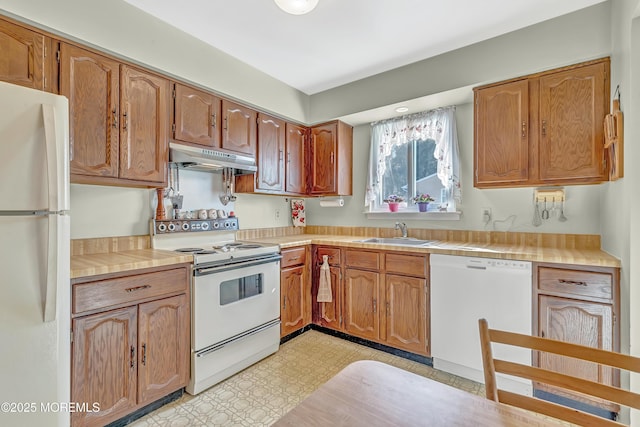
(332, 203)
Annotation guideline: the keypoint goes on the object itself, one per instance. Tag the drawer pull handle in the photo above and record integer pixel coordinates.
(572, 282)
(138, 288)
(293, 258)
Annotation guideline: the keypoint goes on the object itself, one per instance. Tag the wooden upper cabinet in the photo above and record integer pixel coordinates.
(296, 149)
(144, 148)
(196, 118)
(502, 133)
(22, 58)
(91, 83)
(331, 159)
(271, 145)
(239, 128)
(543, 129)
(573, 104)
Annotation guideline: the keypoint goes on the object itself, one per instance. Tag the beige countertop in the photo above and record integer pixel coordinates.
(93, 264)
(592, 257)
(115, 262)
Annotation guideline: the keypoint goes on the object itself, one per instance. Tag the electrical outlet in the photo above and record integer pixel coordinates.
(486, 215)
(277, 213)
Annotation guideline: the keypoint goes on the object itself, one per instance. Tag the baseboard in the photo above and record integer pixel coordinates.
(147, 409)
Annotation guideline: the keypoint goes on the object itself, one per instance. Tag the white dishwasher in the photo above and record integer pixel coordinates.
(465, 289)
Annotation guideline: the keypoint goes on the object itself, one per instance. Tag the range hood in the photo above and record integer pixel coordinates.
(210, 159)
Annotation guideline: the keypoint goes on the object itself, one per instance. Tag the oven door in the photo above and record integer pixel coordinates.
(231, 299)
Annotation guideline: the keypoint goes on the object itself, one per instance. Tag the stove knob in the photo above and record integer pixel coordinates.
(185, 226)
(162, 227)
(205, 226)
(227, 224)
(172, 227)
(216, 225)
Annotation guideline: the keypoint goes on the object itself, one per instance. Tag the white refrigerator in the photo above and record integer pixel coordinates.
(34, 258)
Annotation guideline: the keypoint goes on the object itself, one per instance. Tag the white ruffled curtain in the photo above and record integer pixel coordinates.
(439, 125)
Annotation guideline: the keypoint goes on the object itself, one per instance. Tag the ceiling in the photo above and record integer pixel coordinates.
(342, 41)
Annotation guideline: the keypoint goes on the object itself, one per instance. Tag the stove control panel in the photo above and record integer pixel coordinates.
(193, 225)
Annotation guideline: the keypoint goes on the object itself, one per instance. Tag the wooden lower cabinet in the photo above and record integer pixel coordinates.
(124, 358)
(577, 304)
(382, 297)
(104, 365)
(328, 314)
(163, 356)
(295, 290)
(406, 311)
(292, 287)
(361, 302)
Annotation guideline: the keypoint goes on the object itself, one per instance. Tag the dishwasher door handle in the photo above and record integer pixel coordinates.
(477, 267)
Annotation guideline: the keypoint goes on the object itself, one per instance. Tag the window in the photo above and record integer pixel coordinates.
(412, 169)
(415, 154)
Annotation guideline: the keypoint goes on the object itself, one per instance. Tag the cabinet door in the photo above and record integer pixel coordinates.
(296, 154)
(239, 128)
(323, 168)
(501, 152)
(91, 83)
(196, 116)
(163, 347)
(406, 310)
(104, 367)
(580, 322)
(329, 313)
(294, 289)
(143, 132)
(572, 110)
(271, 139)
(361, 300)
(23, 56)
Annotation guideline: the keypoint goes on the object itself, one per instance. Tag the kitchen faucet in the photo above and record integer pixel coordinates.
(402, 227)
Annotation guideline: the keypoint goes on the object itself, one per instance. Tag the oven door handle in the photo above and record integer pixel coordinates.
(237, 338)
(203, 271)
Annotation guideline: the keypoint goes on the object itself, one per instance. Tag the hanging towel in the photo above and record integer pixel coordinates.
(324, 290)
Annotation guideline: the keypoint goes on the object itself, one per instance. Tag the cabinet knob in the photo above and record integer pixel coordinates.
(144, 355)
(524, 128)
(544, 128)
(125, 122)
(114, 114)
(213, 120)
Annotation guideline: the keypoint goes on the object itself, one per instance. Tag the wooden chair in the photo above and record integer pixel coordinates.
(588, 387)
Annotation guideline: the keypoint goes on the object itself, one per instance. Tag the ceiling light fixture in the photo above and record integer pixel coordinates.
(402, 110)
(297, 7)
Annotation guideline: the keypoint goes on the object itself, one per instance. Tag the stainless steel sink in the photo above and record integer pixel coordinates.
(401, 241)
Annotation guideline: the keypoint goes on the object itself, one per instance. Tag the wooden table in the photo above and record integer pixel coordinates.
(369, 393)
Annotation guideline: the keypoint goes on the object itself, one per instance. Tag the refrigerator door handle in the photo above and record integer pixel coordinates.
(56, 161)
(56, 192)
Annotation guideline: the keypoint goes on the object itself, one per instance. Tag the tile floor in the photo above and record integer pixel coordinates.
(264, 392)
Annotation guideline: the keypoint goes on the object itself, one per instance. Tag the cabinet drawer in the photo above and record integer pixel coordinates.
(575, 282)
(362, 259)
(333, 253)
(291, 257)
(412, 265)
(122, 290)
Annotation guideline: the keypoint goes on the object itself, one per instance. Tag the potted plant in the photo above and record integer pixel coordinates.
(423, 201)
(393, 201)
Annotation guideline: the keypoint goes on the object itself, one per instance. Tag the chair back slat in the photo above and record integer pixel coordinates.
(553, 378)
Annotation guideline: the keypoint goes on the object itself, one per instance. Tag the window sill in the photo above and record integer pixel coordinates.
(428, 216)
